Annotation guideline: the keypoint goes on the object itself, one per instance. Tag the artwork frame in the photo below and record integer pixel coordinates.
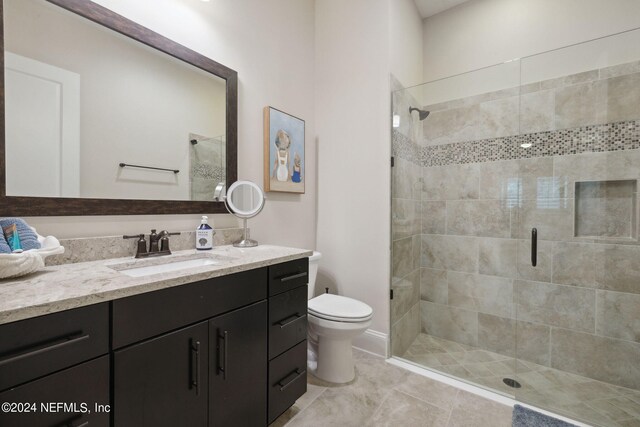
(284, 152)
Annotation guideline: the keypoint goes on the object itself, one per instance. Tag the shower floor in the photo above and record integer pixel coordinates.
(574, 396)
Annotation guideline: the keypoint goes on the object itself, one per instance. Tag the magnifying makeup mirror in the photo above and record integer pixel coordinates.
(245, 200)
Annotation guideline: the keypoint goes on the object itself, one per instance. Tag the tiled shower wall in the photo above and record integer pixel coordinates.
(406, 230)
(579, 309)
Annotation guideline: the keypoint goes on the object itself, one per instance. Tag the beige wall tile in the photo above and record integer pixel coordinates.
(406, 294)
(620, 70)
(581, 105)
(537, 111)
(613, 165)
(497, 257)
(405, 218)
(433, 285)
(499, 334)
(454, 182)
(516, 180)
(405, 331)
(623, 98)
(450, 323)
(485, 294)
(542, 271)
(556, 305)
(406, 179)
(576, 263)
(605, 359)
(455, 253)
(452, 125)
(434, 217)
(488, 218)
(402, 258)
(553, 219)
(618, 315)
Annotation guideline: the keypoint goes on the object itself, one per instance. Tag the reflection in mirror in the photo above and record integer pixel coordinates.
(245, 200)
(82, 99)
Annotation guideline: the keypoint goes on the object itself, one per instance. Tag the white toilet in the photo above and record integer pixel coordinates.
(334, 321)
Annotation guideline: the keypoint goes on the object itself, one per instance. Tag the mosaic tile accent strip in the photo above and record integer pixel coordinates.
(406, 149)
(597, 138)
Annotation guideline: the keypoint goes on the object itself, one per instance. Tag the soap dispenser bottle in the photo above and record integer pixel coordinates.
(204, 235)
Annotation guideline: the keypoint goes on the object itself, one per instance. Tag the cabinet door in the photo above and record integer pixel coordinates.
(238, 377)
(163, 381)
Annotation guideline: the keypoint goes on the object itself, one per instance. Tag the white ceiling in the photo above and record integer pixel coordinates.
(431, 7)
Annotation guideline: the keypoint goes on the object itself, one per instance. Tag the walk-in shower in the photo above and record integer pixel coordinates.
(548, 143)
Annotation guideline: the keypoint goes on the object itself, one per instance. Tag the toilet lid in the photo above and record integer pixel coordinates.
(342, 309)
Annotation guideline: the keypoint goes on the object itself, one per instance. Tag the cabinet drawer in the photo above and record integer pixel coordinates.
(85, 384)
(36, 347)
(287, 379)
(287, 320)
(155, 313)
(288, 275)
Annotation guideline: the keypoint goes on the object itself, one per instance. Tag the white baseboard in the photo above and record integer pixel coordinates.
(373, 342)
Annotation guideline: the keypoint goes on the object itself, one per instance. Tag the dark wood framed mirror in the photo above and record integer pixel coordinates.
(16, 202)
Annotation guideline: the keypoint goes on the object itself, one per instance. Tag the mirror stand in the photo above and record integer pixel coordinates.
(245, 200)
(246, 241)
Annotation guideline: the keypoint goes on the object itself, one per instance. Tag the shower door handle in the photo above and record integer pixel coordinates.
(534, 246)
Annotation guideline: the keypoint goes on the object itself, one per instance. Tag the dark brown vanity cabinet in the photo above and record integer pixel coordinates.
(54, 369)
(287, 335)
(227, 351)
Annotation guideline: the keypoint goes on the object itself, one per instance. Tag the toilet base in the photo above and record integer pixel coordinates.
(335, 360)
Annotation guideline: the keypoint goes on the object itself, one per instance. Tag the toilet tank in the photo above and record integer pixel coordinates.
(314, 260)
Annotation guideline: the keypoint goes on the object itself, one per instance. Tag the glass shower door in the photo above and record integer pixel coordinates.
(577, 293)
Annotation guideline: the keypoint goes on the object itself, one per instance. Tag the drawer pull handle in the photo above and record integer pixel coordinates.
(298, 373)
(289, 320)
(223, 367)
(195, 352)
(293, 276)
(60, 343)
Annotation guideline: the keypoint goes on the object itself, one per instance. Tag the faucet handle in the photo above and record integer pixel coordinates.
(142, 244)
(164, 240)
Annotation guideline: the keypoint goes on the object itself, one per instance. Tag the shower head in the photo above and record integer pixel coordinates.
(422, 114)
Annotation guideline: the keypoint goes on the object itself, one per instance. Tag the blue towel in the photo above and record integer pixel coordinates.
(4, 246)
(28, 239)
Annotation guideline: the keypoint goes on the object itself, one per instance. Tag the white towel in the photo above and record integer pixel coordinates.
(27, 262)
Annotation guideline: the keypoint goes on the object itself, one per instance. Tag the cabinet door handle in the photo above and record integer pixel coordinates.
(289, 320)
(293, 276)
(34, 351)
(195, 366)
(534, 246)
(224, 337)
(298, 373)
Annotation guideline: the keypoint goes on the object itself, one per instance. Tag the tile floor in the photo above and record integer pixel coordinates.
(385, 395)
(577, 397)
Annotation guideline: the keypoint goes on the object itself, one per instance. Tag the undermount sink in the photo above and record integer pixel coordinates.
(168, 267)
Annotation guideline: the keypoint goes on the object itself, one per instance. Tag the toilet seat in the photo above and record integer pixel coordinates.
(337, 308)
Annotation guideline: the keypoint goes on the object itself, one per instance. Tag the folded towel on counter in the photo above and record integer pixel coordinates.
(4, 246)
(28, 237)
(16, 265)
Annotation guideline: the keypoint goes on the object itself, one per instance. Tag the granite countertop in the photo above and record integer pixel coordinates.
(68, 286)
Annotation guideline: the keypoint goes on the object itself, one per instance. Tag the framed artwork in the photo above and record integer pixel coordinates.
(284, 167)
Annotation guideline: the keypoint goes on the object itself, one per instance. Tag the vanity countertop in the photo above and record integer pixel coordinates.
(68, 286)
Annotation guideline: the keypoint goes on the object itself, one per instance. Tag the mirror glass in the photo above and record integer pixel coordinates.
(91, 113)
(245, 199)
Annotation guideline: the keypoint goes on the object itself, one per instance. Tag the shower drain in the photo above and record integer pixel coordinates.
(511, 382)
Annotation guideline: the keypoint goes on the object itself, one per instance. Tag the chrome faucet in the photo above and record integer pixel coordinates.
(158, 243)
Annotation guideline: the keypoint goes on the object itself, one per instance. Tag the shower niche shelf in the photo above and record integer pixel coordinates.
(606, 210)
